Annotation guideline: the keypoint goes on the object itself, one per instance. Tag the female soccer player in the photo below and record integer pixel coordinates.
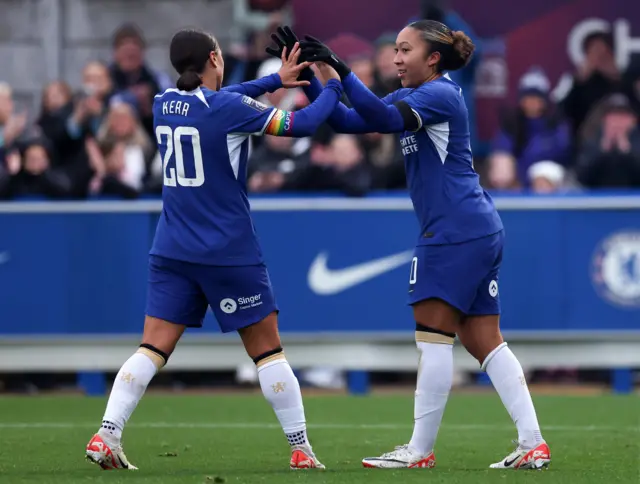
(454, 271)
(206, 251)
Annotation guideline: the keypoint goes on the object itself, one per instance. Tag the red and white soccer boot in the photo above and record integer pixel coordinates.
(538, 458)
(302, 457)
(107, 455)
(402, 457)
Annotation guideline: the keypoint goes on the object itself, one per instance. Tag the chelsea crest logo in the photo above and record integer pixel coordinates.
(616, 269)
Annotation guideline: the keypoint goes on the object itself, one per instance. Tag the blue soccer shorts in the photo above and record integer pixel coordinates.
(463, 275)
(180, 292)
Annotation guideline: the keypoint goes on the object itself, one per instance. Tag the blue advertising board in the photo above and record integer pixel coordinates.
(571, 265)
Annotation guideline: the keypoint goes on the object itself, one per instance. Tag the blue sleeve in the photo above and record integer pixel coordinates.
(253, 117)
(256, 88)
(387, 118)
(433, 103)
(345, 120)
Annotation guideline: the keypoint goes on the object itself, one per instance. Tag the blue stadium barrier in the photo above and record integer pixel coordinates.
(571, 267)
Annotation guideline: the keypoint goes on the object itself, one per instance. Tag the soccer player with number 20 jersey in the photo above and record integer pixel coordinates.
(205, 252)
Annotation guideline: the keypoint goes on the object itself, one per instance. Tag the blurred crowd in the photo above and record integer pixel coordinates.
(99, 140)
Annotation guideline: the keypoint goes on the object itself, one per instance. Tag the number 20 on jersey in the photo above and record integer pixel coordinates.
(175, 175)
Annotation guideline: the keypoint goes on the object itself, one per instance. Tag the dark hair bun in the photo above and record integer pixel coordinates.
(461, 52)
(188, 81)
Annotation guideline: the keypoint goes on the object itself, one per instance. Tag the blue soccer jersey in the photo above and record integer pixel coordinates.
(203, 138)
(449, 202)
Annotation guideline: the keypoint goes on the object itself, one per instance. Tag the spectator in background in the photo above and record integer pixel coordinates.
(384, 156)
(131, 74)
(336, 162)
(597, 77)
(631, 81)
(12, 125)
(357, 53)
(253, 23)
(128, 150)
(31, 174)
(275, 162)
(98, 92)
(610, 151)
(282, 98)
(530, 133)
(386, 72)
(502, 173)
(546, 177)
(114, 180)
(64, 121)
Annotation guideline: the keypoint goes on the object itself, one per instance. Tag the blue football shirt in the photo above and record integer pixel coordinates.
(203, 139)
(448, 199)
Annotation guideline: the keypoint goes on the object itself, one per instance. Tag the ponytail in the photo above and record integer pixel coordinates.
(189, 80)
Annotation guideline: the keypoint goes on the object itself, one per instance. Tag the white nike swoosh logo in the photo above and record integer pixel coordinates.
(325, 281)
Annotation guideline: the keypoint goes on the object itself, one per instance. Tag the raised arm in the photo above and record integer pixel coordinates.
(306, 121)
(258, 87)
(382, 115)
(396, 115)
(255, 118)
(345, 120)
(247, 116)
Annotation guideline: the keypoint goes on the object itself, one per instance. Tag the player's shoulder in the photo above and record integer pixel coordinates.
(244, 101)
(176, 101)
(442, 94)
(442, 87)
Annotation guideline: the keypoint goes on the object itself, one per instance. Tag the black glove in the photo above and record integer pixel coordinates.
(314, 50)
(286, 38)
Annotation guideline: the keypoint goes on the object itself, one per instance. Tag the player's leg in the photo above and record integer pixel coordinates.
(174, 302)
(280, 387)
(480, 334)
(245, 303)
(158, 342)
(437, 303)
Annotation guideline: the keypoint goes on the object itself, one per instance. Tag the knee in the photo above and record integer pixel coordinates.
(480, 337)
(427, 334)
(270, 357)
(157, 356)
(161, 336)
(262, 337)
(482, 350)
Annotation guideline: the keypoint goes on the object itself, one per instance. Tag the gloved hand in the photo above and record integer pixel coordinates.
(313, 50)
(285, 37)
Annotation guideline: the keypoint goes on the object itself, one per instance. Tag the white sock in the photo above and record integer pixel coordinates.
(128, 388)
(282, 390)
(508, 379)
(435, 377)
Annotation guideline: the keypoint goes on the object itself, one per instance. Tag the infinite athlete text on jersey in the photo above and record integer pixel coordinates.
(409, 145)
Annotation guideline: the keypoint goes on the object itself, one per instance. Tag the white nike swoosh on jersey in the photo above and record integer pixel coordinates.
(325, 281)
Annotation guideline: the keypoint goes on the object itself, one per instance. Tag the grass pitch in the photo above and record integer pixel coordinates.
(236, 439)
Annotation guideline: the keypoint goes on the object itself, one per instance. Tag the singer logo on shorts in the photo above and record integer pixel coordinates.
(230, 306)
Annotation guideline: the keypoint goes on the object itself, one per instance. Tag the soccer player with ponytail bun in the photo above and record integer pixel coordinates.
(453, 277)
(206, 252)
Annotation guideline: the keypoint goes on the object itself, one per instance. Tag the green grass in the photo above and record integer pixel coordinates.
(237, 438)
